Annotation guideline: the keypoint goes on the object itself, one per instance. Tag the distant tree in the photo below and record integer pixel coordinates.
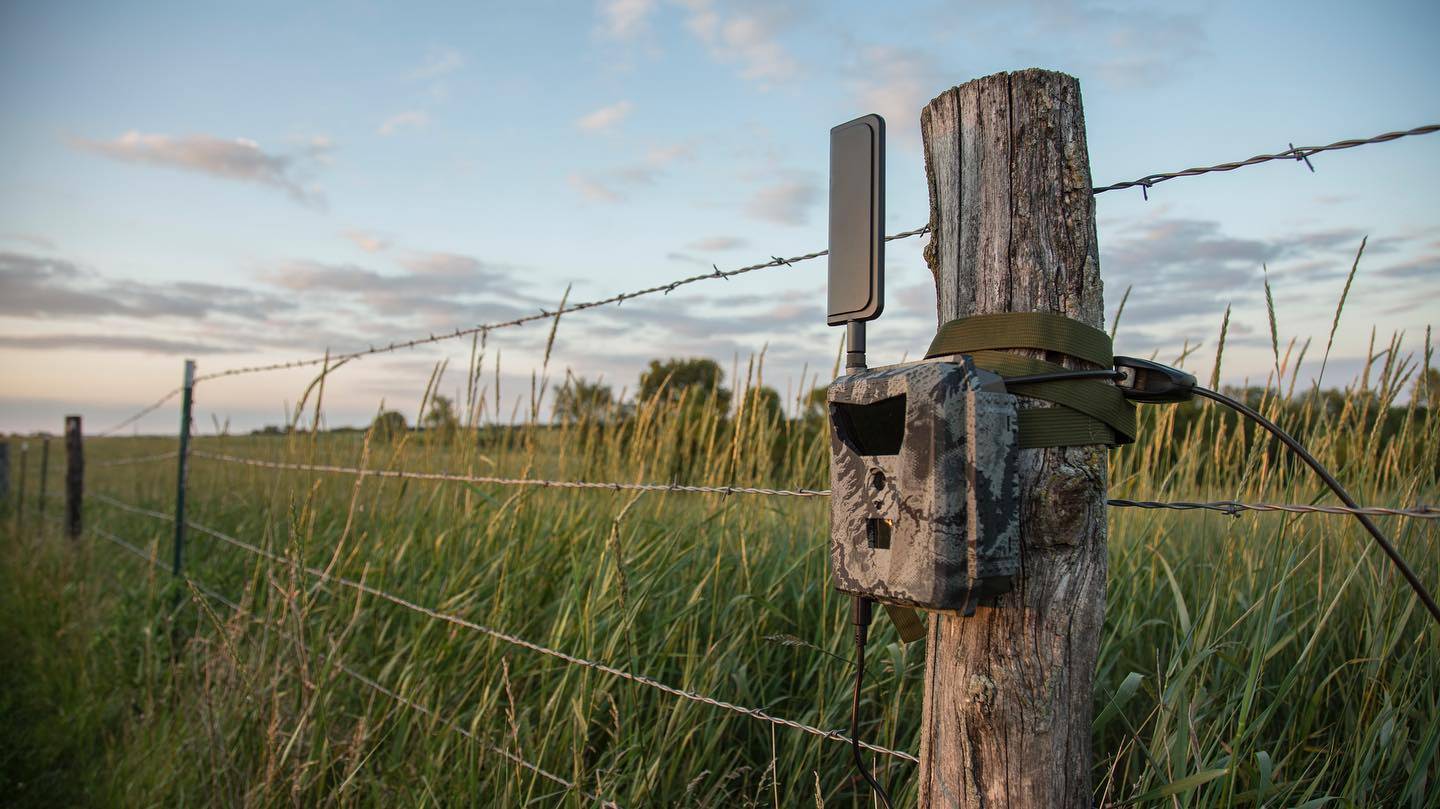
(766, 401)
(441, 417)
(580, 401)
(1427, 390)
(270, 429)
(389, 424)
(698, 377)
(815, 403)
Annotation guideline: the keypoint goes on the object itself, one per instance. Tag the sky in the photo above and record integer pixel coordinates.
(255, 182)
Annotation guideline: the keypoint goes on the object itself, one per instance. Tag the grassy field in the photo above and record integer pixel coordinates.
(1258, 660)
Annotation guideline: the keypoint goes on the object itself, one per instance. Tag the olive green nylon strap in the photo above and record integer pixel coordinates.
(1090, 412)
(1042, 330)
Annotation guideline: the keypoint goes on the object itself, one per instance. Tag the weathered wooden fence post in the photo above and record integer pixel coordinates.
(74, 476)
(4, 475)
(1007, 709)
(183, 467)
(20, 489)
(44, 478)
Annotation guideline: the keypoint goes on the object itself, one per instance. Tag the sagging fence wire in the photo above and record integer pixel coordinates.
(1294, 153)
(1231, 507)
(140, 414)
(1302, 153)
(456, 620)
(543, 314)
(499, 481)
(136, 459)
(341, 666)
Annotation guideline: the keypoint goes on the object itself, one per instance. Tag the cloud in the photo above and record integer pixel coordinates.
(625, 19)
(1129, 43)
(439, 62)
(409, 119)
(744, 37)
(368, 242)
(785, 202)
(32, 239)
(41, 287)
(111, 342)
(896, 84)
(434, 290)
(718, 243)
(593, 189)
(604, 118)
(1421, 268)
(606, 186)
(236, 159)
(1184, 272)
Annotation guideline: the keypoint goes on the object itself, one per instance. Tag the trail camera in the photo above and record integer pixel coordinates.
(923, 471)
(924, 485)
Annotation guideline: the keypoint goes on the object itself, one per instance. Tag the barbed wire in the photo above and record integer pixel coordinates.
(1297, 153)
(140, 414)
(1301, 153)
(347, 670)
(1231, 507)
(151, 558)
(541, 483)
(543, 314)
(467, 733)
(134, 459)
(754, 713)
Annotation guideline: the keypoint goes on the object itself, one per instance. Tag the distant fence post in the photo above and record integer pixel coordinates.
(1008, 703)
(74, 476)
(4, 474)
(44, 479)
(183, 466)
(20, 489)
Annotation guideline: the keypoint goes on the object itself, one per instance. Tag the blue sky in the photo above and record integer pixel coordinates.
(253, 182)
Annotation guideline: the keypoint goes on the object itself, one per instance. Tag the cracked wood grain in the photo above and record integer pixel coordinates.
(1008, 707)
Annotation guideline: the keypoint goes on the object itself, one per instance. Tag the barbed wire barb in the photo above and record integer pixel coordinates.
(1293, 153)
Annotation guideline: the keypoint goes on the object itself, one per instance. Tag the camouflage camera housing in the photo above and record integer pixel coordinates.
(924, 485)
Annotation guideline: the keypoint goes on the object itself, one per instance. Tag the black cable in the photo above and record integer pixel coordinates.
(1299, 449)
(861, 617)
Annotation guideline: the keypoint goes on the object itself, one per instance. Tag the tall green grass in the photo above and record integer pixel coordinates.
(1256, 660)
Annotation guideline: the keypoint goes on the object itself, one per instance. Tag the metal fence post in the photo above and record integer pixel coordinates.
(1008, 701)
(74, 476)
(183, 465)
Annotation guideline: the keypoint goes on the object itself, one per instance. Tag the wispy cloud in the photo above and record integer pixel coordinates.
(31, 239)
(112, 342)
(787, 201)
(368, 242)
(625, 19)
(593, 189)
(745, 37)
(718, 243)
(409, 119)
(39, 287)
(606, 117)
(439, 62)
(231, 159)
(896, 84)
(610, 185)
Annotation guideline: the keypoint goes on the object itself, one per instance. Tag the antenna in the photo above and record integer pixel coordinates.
(857, 237)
